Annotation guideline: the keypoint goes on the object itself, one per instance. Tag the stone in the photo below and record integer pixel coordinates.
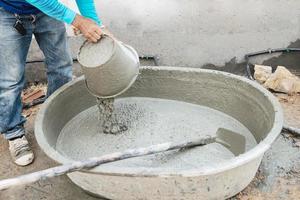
(262, 73)
(282, 80)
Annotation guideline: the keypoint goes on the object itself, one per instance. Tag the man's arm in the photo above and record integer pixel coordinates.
(90, 28)
(54, 9)
(88, 10)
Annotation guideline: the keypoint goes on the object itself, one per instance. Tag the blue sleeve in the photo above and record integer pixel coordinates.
(59, 11)
(87, 9)
(54, 9)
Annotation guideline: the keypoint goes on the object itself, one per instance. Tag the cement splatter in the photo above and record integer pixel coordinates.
(152, 121)
(282, 160)
(108, 124)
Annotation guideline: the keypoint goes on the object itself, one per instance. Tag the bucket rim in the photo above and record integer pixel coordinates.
(127, 87)
(108, 60)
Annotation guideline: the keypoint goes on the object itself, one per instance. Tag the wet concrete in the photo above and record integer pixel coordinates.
(108, 123)
(152, 121)
(240, 98)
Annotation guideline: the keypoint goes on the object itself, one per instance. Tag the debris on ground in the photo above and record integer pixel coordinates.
(284, 98)
(262, 73)
(282, 80)
(291, 108)
(279, 174)
(33, 93)
(258, 179)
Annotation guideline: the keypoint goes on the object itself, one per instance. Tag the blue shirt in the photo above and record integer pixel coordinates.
(53, 8)
(18, 7)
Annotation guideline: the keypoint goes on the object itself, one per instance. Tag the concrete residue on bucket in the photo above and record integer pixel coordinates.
(96, 55)
(110, 67)
(152, 121)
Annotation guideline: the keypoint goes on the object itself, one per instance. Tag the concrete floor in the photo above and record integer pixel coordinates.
(278, 177)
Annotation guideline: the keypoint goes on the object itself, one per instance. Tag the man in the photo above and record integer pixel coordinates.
(19, 20)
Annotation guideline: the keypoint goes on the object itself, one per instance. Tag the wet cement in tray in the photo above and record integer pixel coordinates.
(151, 121)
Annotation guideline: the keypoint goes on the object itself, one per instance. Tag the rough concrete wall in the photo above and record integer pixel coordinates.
(197, 33)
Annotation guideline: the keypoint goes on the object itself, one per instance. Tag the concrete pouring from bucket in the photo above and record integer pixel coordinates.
(169, 103)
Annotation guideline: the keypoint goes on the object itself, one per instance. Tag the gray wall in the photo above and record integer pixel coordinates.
(197, 33)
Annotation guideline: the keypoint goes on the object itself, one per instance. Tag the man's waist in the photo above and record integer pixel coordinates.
(18, 7)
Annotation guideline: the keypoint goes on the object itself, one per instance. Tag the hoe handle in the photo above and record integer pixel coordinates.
(96, 161)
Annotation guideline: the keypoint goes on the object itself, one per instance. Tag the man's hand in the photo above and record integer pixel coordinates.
(90, 30)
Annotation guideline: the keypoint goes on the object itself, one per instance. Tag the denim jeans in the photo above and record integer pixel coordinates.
(50, 35)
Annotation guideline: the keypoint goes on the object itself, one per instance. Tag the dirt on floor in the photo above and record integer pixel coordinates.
(277, 178)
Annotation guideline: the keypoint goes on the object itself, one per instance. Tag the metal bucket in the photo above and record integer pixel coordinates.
(110, 66)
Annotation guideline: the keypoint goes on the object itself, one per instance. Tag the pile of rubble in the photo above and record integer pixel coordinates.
(282, 80)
